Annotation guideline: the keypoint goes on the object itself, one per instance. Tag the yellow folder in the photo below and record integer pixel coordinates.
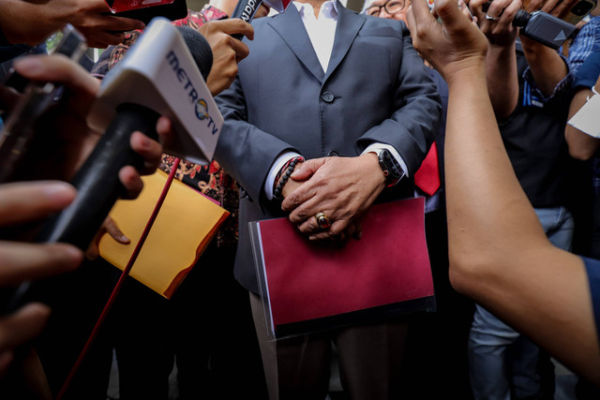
(185, 224)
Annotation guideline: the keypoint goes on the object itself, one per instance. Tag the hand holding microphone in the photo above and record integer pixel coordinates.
(227, 51)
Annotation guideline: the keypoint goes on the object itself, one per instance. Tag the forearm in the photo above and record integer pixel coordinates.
(23, 22)
(481, 184)
(499, 253)
(502, 79)
(546, 65)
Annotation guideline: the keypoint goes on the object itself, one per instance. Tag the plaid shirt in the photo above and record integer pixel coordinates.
(210, 179)
(586, 42)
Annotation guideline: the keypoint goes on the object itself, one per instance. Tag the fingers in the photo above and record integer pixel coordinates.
(508, 15)
(235, 26)
(497, 7)
(306, 169)
(164, 128)
(131, 181)
(149, 149)
(455, 23)
(118, 24)
(102, 39)
(28, 201)
(548, 5)
(240, 49)
(57, 68)
(22, 326)
(113, 230)
(421, 14)
(27, 261)
(302, 194)
(562, 8)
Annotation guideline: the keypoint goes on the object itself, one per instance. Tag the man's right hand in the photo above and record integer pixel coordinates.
(227, 51)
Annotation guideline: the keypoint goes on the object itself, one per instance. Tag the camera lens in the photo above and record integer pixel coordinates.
(582, 8)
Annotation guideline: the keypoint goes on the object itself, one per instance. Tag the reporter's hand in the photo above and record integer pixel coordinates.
(340, 187)
(558, 8)
(68, 140)
(21, 203)
(108, 226)
(227, 51)
(31, 22)
(93, 19)
(453, 47)
(496, 23)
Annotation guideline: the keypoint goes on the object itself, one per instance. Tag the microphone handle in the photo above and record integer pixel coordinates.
(97, 182)
(245, 9)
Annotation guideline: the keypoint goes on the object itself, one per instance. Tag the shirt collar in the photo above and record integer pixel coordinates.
(329, 9)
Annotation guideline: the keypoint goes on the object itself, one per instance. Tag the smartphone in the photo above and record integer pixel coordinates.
(145, 10)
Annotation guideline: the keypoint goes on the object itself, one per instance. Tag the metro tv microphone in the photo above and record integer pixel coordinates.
(158, 76)
(246, 9)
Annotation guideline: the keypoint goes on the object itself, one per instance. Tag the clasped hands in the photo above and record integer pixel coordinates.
(342, 188)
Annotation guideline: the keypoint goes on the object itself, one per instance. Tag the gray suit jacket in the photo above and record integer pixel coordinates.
(376, 89)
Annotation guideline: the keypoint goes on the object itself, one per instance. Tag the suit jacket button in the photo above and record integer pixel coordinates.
(333, 153)
(327, 96)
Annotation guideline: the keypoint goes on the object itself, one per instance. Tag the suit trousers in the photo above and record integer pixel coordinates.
(370, 359)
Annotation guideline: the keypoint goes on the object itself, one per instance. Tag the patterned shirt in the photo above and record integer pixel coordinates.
(210, 179)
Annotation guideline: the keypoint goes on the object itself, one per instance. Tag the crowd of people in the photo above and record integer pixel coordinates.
(327, 112)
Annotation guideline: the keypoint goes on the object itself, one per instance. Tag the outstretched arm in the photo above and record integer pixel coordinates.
(499, 254)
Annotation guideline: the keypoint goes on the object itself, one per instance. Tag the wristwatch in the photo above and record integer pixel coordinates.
(391, 168)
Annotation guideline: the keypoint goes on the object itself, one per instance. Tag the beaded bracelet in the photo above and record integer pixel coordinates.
(288, 168)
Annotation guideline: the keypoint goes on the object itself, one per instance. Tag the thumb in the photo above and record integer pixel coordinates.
(306, 169)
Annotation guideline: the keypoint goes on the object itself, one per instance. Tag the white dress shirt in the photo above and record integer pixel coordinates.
(321, 32)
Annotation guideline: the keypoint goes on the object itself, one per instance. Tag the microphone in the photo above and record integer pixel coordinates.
(245, 9)
(158, 76)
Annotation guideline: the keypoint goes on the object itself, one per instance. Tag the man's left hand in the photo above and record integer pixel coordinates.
(342, 188)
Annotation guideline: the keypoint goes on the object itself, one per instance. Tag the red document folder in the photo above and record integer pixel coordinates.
(307, 286)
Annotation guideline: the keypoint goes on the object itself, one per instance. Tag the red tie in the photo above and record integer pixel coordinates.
(427, 177)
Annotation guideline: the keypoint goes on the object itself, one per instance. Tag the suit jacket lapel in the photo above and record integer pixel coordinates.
(291, 29)
(349, 23)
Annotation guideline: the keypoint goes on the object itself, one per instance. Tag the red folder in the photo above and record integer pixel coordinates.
(307, 286)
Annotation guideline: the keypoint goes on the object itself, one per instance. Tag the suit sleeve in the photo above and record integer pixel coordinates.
(244, 151)
(412, 127)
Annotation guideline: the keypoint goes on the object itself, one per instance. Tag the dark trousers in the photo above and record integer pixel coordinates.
(206, 327)
(370, 359)
(436, 365)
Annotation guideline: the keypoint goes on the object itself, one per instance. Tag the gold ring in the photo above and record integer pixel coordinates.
(322, 220)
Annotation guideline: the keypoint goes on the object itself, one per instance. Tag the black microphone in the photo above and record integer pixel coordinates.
(245, 10)
(97, 182)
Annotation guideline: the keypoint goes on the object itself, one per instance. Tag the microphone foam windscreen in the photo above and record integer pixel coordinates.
(199, 48)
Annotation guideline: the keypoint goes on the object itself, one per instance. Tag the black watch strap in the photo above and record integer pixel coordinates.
(391, 168)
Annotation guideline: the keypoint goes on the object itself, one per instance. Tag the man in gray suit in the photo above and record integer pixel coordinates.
(344, 101)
